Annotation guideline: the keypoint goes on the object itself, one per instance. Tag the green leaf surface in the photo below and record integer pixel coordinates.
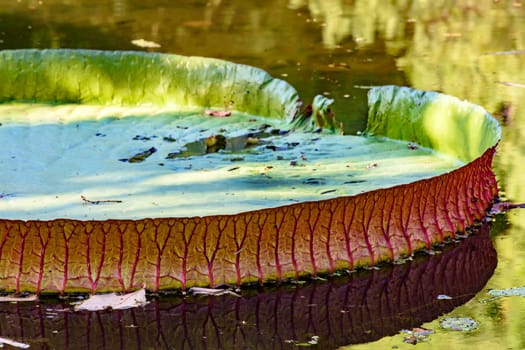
(110, 147)
(56, 154)
(444, 123)
(135, 78)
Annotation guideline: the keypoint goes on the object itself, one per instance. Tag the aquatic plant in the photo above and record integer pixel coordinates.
(83, 252)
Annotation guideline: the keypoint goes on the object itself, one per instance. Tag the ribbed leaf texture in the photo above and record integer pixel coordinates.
(355, 309)
(272, 244)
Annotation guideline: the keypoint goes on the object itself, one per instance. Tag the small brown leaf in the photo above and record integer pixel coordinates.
(216, 113)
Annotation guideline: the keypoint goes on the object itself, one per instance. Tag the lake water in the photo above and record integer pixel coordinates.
(473, 50)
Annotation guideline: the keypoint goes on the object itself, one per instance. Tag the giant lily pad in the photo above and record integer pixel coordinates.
(124, 169)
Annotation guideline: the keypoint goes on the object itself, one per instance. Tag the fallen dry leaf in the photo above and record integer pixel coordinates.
(216, 113)
(113, 301)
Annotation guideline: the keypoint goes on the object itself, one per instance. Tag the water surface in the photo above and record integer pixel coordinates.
(473, 50)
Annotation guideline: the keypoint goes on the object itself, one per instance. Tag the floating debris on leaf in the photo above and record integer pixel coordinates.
(168, 139)
(462, 324)
(218, 143)
(215, 143)
(354, 182)
(140, 157)
(328, 191)
(314, 181)
(251, 141)
(234, 168)
(371, 166)
(142, 138)
(412, 146)
(88, 201)
(172, 155)
(279, 132)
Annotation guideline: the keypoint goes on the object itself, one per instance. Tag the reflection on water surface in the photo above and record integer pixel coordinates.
(473, 50)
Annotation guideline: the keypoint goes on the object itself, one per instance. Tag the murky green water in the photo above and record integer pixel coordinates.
(473, 50)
